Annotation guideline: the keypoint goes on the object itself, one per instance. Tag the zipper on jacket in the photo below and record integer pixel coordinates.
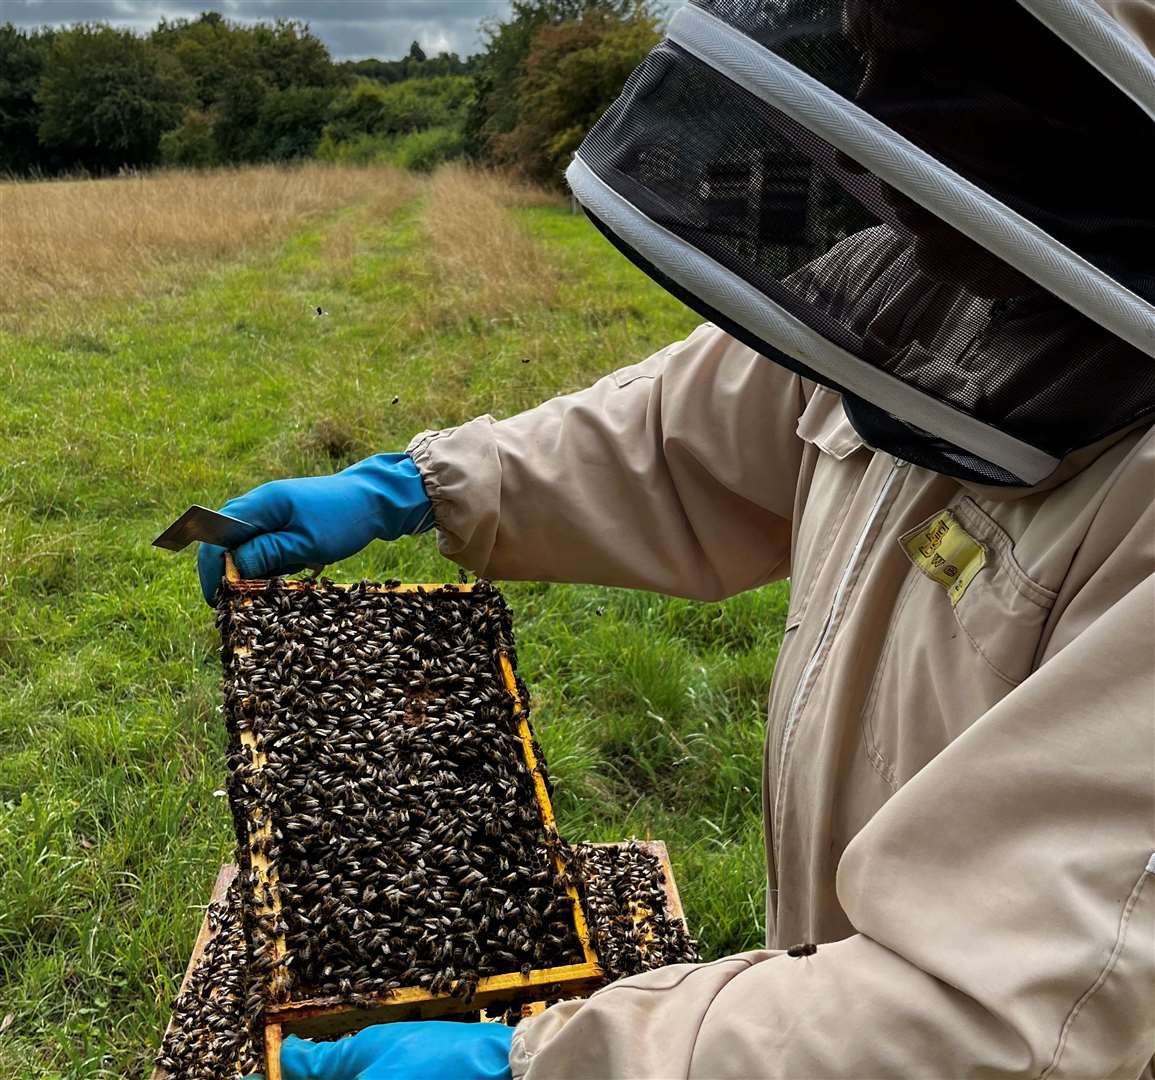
(833, 617)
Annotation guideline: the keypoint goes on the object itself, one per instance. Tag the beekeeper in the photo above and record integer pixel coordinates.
(924, 236)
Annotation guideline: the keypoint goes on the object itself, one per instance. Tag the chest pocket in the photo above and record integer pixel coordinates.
(964, 633)
(831, 441)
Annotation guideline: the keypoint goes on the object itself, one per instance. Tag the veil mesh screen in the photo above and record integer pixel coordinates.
(989, 90)
(842, 251)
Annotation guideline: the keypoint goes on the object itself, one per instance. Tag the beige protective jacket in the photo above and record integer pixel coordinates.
(960, 757)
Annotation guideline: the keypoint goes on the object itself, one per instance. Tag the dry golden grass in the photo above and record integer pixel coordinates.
(88, 239)
(485, 254)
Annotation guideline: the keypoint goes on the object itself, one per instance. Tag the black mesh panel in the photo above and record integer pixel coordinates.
(988, 89)
(856, 261)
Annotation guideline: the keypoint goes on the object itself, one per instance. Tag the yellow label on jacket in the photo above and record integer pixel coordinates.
(943, 550)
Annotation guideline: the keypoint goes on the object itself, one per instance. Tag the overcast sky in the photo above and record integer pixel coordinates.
(351, 28)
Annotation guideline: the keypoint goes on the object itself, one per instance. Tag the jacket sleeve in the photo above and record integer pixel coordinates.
(1004, 903)
(675, 475)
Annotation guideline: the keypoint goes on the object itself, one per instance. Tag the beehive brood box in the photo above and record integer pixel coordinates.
(399, 853)
(635, 917)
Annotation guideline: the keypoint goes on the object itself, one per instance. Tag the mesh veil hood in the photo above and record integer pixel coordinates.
(944, 211)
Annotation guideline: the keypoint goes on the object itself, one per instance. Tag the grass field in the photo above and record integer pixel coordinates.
(147, 362)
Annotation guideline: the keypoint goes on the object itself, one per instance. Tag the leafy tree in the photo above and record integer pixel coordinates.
(22, 59)
(498, 70)
(238, 112)
(204, 91)
(382, 71)
(107, 97)
(393, 71)
(212, 51)
(209, 50)
(289, 123)
(288, 54)
(193, 144)
(444, 63)
(415, 124)
(573, 72)
(265, 90)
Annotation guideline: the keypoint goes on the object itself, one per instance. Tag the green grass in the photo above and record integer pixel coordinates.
(650, 710)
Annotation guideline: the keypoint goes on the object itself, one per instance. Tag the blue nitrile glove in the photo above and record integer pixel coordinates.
(419, 1050)
(321, 519)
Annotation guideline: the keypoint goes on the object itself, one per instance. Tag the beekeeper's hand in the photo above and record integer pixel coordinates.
(420, 1050)
(321, 519)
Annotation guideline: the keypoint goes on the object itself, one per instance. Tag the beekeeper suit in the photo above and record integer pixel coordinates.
(922, 234)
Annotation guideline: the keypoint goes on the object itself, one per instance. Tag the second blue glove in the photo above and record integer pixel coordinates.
(426, 1050)
(321, 519)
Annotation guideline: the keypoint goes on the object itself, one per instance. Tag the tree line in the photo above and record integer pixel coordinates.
(91, 98)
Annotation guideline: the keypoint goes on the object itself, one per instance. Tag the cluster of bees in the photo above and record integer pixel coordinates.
(376, 765)
(626, 904)
(213, 1035)
(388, 830)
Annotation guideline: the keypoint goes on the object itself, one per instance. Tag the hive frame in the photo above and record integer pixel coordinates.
(329, 1016)
(224, 879)
(673, 909)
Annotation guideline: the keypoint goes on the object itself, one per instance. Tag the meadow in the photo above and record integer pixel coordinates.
(159, 346)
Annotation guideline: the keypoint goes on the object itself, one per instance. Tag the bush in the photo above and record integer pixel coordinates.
(362, 150)
(414, 124)
(370, 108)
(423, 151)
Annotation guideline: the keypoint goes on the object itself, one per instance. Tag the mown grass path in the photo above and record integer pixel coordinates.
(118, 414)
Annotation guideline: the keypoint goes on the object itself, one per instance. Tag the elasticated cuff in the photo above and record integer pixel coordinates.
(461, 472)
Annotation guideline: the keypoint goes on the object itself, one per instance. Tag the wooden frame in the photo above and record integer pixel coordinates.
(658, 849)
(224, 879)
(320, 1016)
(307, 1021)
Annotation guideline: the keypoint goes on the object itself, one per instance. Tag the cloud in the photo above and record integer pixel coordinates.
(351, 28)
